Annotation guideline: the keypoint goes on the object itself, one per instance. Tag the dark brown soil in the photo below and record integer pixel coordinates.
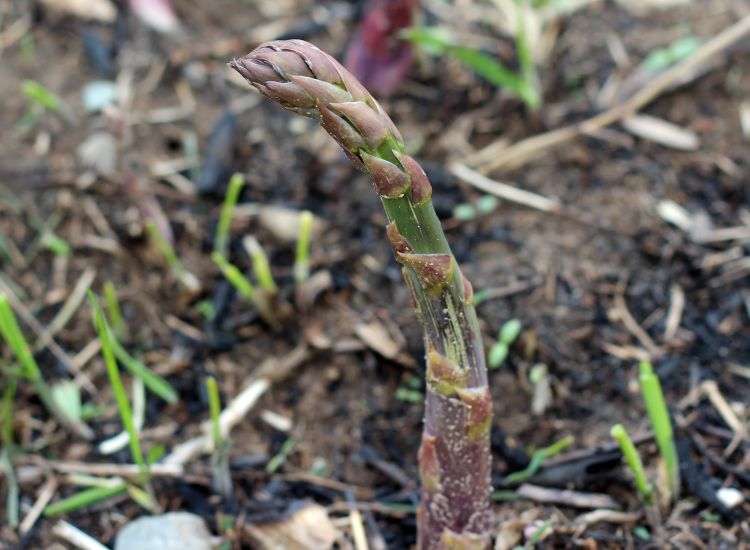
(573, 276)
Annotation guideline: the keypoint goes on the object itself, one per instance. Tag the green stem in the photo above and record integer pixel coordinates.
(661, 424)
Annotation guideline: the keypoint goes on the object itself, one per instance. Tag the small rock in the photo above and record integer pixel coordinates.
(730, 497)
(172, 531)
(99, 94)
(99, 152)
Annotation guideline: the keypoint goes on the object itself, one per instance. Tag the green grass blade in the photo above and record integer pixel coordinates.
(123, 406)
(37, 93)
(233, 274)
(221, 240)
(114, 313)
(84, 498)
(538, 459)
(155, 383)
(302, 256)
(214, 404)
(261, 266)
(633, 460)
(278, 459)
(13, 336)
(660, 422)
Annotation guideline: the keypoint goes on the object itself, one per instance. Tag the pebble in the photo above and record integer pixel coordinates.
(730, 497)
(99, 152)
(172, 531)
(99, 94)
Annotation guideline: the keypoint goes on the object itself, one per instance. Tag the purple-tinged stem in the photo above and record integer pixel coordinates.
(454, 456)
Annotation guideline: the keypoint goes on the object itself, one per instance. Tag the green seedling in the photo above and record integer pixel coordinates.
(437, 41)
(661, 424)
(222, 479)
(261, 266)
(633, 460)
(411, 392)
(279, 458)
(242, 284)
(114, 313)
(537, 460)
(302, 256)
(87, 497)
(506, 336)
(467, 211)
(542, 394)
(221, 240)
(155, 383)
(41, 99)
(186, 279)
(56, 245)
(236, 278)
(13, 336)
(663, 58)
(121, 399)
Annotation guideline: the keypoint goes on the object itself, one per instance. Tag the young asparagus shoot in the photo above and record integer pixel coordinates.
(505, 339)
(633, 460)
(121, 399)
(11, 333)
(454, 457)
(222, 479)
(114, 313)
(242, 284)
(261, 266)
(302, 257)
(185, 278)
(661, 424)
(221, 240)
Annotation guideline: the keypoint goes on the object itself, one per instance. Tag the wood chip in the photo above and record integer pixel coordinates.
(662, 132)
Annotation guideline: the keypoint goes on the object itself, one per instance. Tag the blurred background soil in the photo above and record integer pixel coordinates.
(594, 287)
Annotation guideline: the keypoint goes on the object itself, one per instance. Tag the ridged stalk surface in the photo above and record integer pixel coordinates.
(454, 455)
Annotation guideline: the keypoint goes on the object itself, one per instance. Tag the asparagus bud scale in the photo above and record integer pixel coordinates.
(454, 457)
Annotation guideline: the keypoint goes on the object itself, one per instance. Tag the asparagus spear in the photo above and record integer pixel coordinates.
(455, 453)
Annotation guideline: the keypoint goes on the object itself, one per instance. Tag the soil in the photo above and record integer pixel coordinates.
(593, 288)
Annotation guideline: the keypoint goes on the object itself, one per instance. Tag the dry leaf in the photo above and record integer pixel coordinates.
(377, 338)
(308, 528)
(661, 132)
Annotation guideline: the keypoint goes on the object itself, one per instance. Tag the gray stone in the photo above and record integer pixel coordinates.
(172, 531)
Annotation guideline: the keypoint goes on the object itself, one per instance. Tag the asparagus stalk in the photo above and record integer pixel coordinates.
(455, 454)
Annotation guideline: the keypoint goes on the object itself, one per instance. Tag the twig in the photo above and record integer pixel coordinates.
(497, 155)
(45, 495)
(632, 326)
(238, 408)
(505, 191)
(527, 198)
(76, 537)
(576, 499)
